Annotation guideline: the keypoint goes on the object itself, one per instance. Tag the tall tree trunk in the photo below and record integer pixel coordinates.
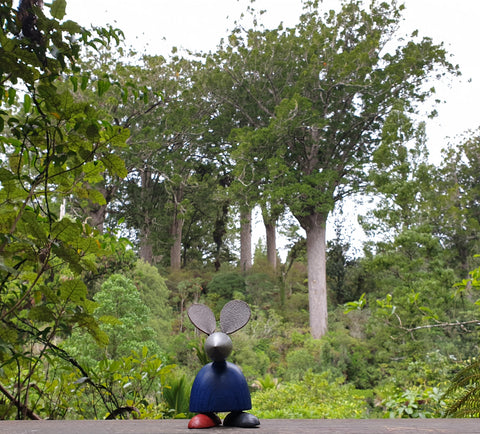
(270, 229)
(245, 239)
(219, 232)
(97, 213)
(315, 227)
(145, 249)
(271, 214)
(176, 249)
(177, 227)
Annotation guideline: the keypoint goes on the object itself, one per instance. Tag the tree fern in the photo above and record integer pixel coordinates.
(465, 392)
(177, 396)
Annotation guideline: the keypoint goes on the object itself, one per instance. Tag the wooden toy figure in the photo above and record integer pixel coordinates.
(220, 386)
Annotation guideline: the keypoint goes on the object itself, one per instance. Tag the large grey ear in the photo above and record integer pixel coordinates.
(234, 315)
(202, 318)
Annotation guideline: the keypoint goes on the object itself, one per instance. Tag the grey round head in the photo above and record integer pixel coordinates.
(218, 346)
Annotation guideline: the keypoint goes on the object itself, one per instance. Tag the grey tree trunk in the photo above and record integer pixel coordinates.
(245, 240)
(270, 229)
(145, 250)
(315, 227)
(176, 249)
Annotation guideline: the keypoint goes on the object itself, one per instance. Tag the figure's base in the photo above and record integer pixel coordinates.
(238, 419)
(241, 419)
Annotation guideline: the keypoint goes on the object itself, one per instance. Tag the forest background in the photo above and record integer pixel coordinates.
(127, 186)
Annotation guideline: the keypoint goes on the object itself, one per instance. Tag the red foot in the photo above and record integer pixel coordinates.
(204, 421)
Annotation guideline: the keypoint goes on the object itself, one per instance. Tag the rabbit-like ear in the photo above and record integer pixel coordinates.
(234, 315)
(202, 318)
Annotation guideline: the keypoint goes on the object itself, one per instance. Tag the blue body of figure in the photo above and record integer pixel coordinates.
(220, 387)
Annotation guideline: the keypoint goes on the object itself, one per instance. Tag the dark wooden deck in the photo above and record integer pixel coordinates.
(371, 426)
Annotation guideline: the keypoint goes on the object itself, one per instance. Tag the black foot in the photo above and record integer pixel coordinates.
(241, 420)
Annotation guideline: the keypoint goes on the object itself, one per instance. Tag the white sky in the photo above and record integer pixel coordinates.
(155, 26)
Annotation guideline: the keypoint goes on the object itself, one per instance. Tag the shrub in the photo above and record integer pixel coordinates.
(415, 402)
(224, 285)
(314, 397)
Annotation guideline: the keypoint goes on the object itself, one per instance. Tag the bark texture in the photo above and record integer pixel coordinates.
(270, 230)
(245, 240)
(315, 227)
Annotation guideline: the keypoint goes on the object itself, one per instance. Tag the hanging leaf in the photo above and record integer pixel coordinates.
(27, 103)
(74, 81)
(11, 95)
(84, 83)
(102, 86)
(58, 9)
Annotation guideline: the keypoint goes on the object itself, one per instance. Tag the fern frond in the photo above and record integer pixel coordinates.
(465, 392)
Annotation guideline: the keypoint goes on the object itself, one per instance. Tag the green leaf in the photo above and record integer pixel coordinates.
(8, 270)
(74, 290)
(11, 95)
(58, 9)
(40, 313)
(115, 165)
(6, 220)
(96, 196)
(66, 230)
(74, 81)
(110, 319)
(102, 86)
(71, 27)
(93, 132)
(84, 83)
(27, 103)
(32, 227)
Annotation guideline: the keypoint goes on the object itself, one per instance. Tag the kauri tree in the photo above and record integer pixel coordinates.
(337, 78)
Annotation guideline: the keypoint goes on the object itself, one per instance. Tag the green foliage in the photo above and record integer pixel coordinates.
(53, 146)
(415, 402)
(224, 285)
(123, 318)
(200, 352)
(413, 294)
(299, 363)
(261, 289)
(250, 355)
(313, 398)
(130, 386)
(155, 295)
(454, 210)
(415, 387)
(464, 391)
(266, 382)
